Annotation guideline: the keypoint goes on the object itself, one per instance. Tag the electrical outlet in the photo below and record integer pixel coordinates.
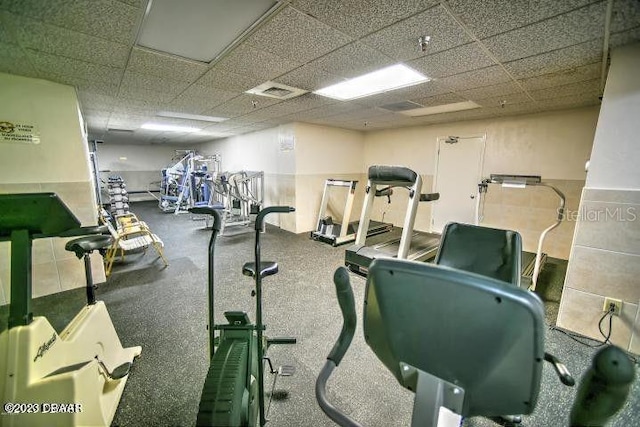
(616, 303)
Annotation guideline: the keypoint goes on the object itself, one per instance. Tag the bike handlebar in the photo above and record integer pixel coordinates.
(344, 293)
(208, 210)
(604, 388)
(271, 209)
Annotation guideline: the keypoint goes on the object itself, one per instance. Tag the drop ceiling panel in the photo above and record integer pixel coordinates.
(15, 61)
(309, 77)
(505, 88)
(52, 65)
(554, 49)
(244, 59)
(625, 15)
(498, 100)
(227, 80)
(400, 41)
(353, 60)
(490, 17)
(445, 98)
(296, 36)
(158, 64)
(360, 17)
(198, 98)
(241, 105)
(556, 60)
(89, 85)
(578, 74)
(564, 30)
(96, 101)
(71, 44)
(422, 90)
(478, 78)
(586, 88)
(574, 101)
(301, 103)
(147, 82)
(116, 21)
(453, 61)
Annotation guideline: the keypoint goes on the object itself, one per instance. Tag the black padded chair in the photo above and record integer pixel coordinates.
(487, 251)
(457, 339)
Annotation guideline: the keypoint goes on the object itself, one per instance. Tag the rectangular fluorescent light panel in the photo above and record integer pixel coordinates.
(198, 117)
(199, 30)
(169, 128)
(383, 80)
(438, 109)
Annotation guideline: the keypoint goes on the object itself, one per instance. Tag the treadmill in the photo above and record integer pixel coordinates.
(532, 263)
(404, 243)
(344, 232)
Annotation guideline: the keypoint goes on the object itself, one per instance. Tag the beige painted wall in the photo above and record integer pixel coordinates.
(139, 165)
(323, 152)
(271, 151)
(59, 163)
(553, 145)
(605, 257)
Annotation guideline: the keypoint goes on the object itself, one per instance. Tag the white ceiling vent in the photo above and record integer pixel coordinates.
(401, 106)
(276, 90)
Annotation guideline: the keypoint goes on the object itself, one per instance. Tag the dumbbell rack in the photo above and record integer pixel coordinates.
(118, 196)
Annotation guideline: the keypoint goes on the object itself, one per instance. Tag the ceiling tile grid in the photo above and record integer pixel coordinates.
(198, 98)
(562, 77)
(48, 38)
(556, 60)
(309, 77)
(297, 36)
(146, 61)
(472, 79)
(549, 50)
(227, 80)
(15, 61)
(453, 61)
(253, 62)
(490, 17)
(241, 105)
(353, 60)
(564, 30)
(400, 41)
(52, 65)
(114, 20)
(361, 17)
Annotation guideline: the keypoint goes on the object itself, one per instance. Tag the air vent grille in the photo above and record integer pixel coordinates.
(276, 90)
(401, 106)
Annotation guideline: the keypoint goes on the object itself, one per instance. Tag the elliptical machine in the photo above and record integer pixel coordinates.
(233, 392)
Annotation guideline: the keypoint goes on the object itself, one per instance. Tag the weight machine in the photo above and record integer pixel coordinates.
(189, 182)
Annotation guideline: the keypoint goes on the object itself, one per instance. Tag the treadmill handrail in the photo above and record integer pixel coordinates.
(399, 176)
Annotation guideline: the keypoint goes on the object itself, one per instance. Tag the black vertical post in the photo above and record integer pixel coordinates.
(259, 328)
(20, 309)
(91, 295)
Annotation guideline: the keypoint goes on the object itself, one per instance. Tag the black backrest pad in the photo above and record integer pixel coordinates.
(488, 251)
(382, 174)
(471, 330)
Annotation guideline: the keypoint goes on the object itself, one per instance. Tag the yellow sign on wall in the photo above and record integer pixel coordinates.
(18, 132)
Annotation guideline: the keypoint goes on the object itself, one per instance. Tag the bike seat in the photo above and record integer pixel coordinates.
(87, 244)
(267, 268)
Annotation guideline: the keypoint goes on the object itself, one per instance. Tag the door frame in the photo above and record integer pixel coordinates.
(440, 140)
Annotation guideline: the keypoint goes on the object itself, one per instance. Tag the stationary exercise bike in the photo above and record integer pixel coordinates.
(465, 343)
(74, 378)
(233, 392)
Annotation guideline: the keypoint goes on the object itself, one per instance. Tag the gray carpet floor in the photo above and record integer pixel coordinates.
(165, 309)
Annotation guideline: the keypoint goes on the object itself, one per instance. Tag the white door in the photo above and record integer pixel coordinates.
(458, 173)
